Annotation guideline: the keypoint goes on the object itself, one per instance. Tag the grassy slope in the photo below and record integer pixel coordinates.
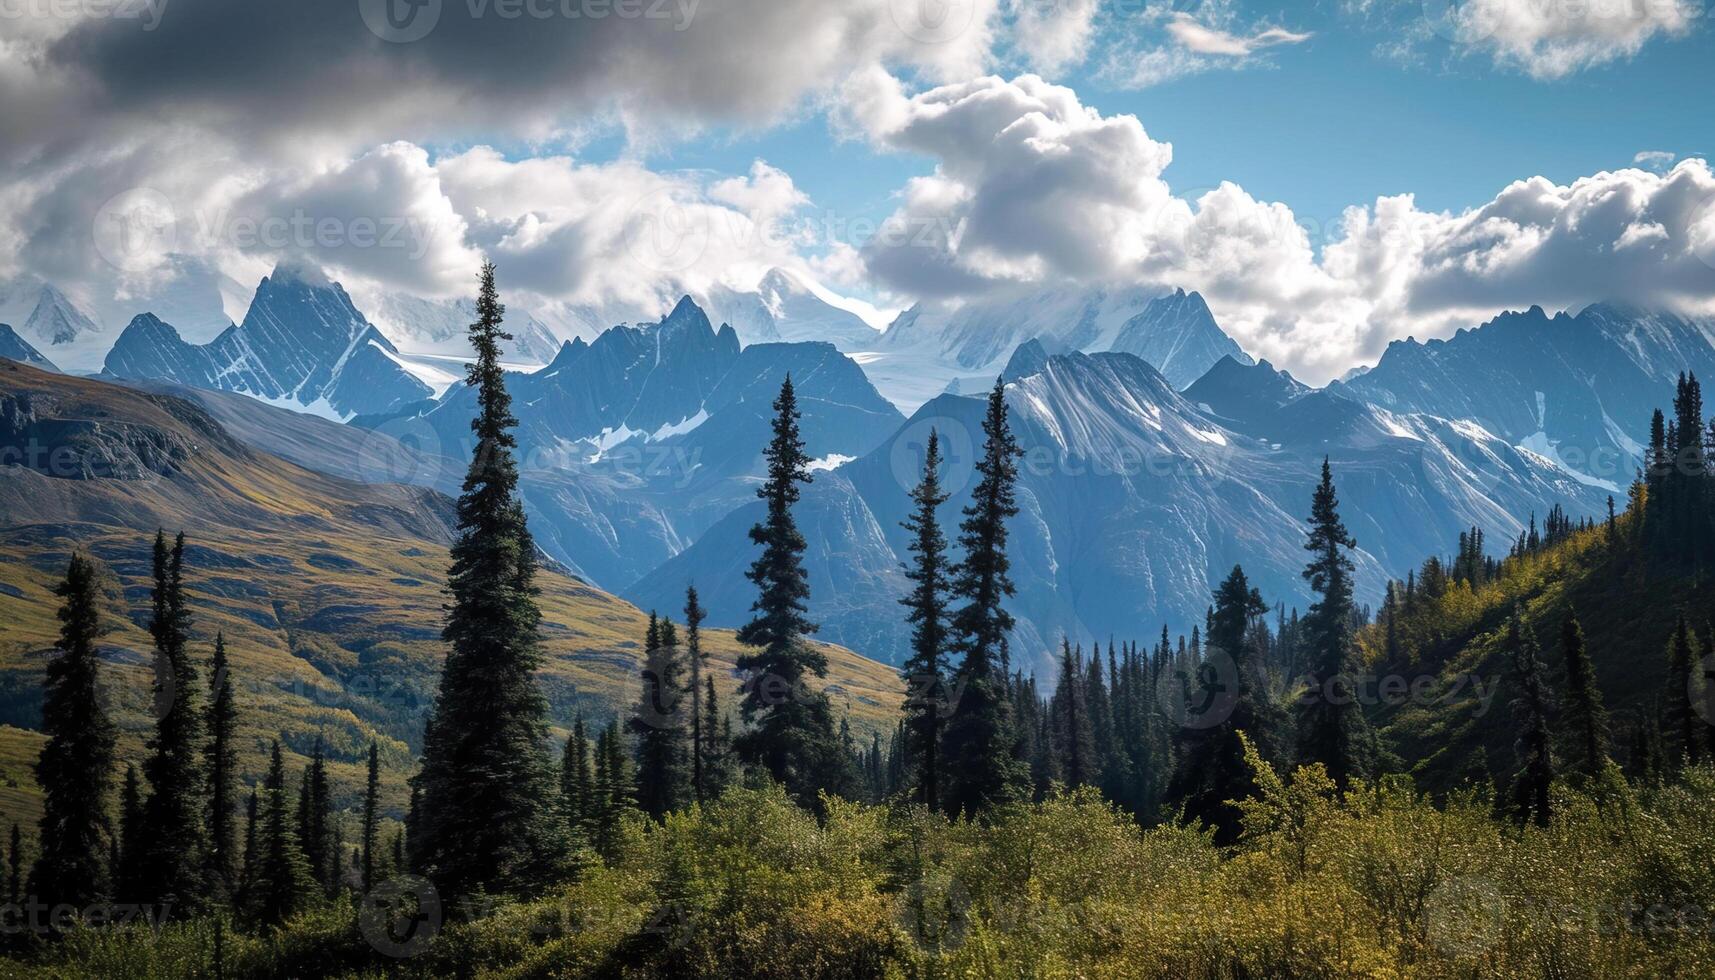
(328, 592)
(1626, 604)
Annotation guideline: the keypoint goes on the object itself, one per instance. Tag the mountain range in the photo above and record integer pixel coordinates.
(1164, 454)
(1134, 501)
(1578, 388)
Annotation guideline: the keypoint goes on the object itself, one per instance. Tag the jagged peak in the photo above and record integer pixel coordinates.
(149, 323)
(289, 271)
(1027, 359)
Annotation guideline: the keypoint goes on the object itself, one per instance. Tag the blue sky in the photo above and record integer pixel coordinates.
(1332, 121)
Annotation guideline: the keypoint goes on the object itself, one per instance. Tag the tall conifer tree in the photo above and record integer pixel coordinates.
(1531, 706)
(174, 841)
(792, 734)
(694, 616)
(1332, 729)
(486, 816)
(658, 725)
(371, 817)
(1682, 691)
(979, 742)
(76, 764)
(283, 882)
(925, 669)
(1213, 772)
(1587, 721)
(577, 787)
(222, 766)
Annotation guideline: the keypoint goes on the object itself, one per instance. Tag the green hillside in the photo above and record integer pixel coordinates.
(1626, 596)
(328, 591)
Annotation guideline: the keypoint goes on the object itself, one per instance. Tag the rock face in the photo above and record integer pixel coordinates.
(1577, 388)
(16, 348)
(302, 341)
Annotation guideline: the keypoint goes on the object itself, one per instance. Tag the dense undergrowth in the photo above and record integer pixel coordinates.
(1380, 882)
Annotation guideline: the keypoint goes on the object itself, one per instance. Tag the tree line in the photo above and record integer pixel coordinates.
(182, 842)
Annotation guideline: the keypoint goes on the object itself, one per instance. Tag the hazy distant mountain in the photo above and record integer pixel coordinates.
(302, 342)
(56, 321)
(931, 350)
(1578, 388)
(787, 307)
(16, 348)
(442, 327)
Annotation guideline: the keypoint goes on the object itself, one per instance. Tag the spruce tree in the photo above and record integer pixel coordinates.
(1531, 707)
(658, 725)
(371, 817)
(283, 882)
(1682, 690)
(1213, 774)
(173, 842)
(791, 734)
(577, 787)
(486, 816)
(315, 817)
(1587, 721)
(979, 739)
(1332, 729)
(1074, 746)
(717, 743)
(222, 766)
(694, 616)
(925, 669)
(76, 764)
(128, 884)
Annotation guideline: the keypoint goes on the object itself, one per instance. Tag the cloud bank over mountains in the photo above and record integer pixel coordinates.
(241, 134)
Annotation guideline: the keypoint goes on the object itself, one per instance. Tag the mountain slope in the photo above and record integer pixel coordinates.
(302, 341)
(1576, 388)
(1627, 602)
(328, 590)
(16, 348)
